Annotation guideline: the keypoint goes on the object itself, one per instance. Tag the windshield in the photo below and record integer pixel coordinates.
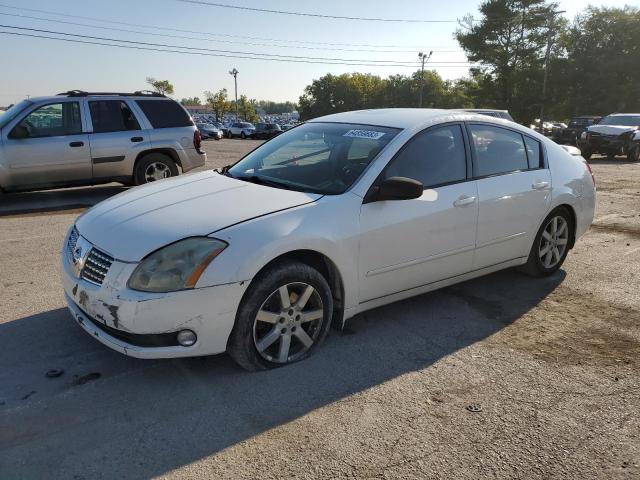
(315, 157)
(13, 112)
(622, 120)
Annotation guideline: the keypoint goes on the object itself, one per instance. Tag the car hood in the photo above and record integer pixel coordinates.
(135, 223)
(611, 129)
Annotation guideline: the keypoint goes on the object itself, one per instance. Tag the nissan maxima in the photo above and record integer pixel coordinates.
(339, 215)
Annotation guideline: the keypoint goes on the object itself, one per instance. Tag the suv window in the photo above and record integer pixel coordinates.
(53, 120)
(165, 113)
(497, 150)
(434, 157)
(112, 116)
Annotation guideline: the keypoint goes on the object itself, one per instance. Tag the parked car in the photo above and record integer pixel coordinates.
(574, 129)
(504, 114)
(220, 126)
(615, 134)
(80, 138)
(208, 130)
(241, 129)
(376, 207)
(265, 131)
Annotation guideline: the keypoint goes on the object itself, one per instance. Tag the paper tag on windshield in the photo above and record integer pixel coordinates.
(370, 134)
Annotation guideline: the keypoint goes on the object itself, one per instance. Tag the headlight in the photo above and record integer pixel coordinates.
(177, 266)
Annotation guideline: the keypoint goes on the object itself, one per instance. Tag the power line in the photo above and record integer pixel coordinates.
(234, 52)
(315, 15)
(126, 30)
(165, 28)
(165, 50)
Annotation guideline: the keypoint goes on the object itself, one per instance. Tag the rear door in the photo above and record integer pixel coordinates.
(55, 150)
(514, 188)
(410, 243)
(116, 138)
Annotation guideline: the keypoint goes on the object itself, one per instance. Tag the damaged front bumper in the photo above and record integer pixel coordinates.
(145, 325)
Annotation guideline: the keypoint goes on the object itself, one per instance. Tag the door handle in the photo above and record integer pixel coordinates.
(540, 185)
(136, 139)
(463, 201)
(76, 144)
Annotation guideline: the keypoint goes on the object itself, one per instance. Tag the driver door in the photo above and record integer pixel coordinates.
(54, 151)
(405, 244)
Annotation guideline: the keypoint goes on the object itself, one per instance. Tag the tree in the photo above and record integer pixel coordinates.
(218, 102)
(163, 87)
(509, 43)
(247, 109)
(191, 101)
(602, 66)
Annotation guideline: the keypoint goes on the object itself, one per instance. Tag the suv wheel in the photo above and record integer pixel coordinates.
(284, 315)
(586, 153)
(633, 154)
(243, 135)
(154, 166)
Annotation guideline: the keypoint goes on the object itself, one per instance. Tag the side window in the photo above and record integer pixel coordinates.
(54, 120)
(165, 113)
(497, 150)
(534, 153)
(112, 116)
(433, 157)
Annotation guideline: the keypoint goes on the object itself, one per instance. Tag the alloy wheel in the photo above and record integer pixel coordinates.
(156, 171)
(553, 242)
(288, 323)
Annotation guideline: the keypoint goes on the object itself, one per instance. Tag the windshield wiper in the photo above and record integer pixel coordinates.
(224, 170)
(264, 181)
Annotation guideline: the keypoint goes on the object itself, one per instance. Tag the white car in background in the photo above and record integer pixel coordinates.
(241, 129)
(334, 217)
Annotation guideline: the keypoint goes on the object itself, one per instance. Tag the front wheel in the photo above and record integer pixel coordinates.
(243, 136)
(551, 245)
(586, 154)
(633, 154)
(284, 315)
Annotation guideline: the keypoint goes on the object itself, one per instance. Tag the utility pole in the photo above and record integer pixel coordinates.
(423, 58)
(547, 59)
(235, 73)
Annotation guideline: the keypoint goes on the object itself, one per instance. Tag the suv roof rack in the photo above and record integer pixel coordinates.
(139, 93)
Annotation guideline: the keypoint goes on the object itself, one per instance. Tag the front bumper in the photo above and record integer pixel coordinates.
(603, 144)
(143, 325)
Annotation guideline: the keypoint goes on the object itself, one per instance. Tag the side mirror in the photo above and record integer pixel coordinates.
(397, 188)
(19, 132)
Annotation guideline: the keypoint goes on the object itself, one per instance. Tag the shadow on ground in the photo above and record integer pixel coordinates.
(146, 418)
(49, 201)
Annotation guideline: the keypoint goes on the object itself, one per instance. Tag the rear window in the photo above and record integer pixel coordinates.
(165, 113)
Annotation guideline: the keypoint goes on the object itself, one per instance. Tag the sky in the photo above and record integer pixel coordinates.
(35, 66)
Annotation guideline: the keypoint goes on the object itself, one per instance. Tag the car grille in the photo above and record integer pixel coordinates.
(71, 242)
(96, 266)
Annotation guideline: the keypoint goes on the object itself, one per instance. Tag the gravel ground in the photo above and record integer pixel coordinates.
(551, 364)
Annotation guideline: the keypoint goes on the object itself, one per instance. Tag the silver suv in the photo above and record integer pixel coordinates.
(80, 138)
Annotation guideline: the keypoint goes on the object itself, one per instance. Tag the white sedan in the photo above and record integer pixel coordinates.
(339, 215)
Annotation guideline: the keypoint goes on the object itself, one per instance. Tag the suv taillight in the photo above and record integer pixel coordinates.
(197, 140)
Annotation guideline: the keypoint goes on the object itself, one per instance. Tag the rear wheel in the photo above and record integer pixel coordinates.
(153, 167)
(551, 245)
(283, 317)
(243, 135)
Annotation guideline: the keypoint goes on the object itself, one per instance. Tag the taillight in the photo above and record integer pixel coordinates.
(591, 172)
(197, 140)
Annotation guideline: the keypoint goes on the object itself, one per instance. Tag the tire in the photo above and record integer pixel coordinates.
(586, 154)
(156, 165)
(537, 265)
(243, 136)
(258, 343)
(633, 155)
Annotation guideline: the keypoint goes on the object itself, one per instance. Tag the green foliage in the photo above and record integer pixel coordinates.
(601, 71)
(218, 102)
(247, 109)
(191, 101)
(161, 86)
(275, 108)
(357, 91)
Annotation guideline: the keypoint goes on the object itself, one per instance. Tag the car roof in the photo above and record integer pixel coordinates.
(621, 114)
(407, 117)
